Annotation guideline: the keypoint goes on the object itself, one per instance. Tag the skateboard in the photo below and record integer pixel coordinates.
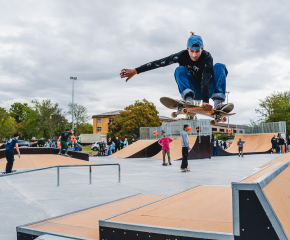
(192, 110)
(13, 171)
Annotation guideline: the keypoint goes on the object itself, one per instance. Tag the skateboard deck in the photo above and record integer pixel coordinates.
(13, 171)
(192, 110)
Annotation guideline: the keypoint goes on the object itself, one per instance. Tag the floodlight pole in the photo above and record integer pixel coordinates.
(73, 80)
(228, 116)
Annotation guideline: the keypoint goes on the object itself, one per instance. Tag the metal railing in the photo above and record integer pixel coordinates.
(174, 129)
(68, 166)
(272, 127)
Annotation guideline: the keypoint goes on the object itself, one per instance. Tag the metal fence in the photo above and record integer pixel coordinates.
(273, 127)
(174, 129)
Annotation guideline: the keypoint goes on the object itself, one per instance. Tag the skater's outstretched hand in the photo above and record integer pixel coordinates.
(207, 106)
(128, 73)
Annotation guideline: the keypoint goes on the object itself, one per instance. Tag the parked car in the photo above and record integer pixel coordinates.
(95, 146)
(21, 143)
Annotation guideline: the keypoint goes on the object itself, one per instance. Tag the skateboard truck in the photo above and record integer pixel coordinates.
(180, 110)
(218, 118)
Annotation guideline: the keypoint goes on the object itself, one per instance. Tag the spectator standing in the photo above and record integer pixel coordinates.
(225, 145)
(133, 140)
(240, 144)
(215, 146)
(288, 144)
(274, 143)
(41, 143)
(164, 143)
(58, 144)
(117, 143)
(109, 146)
(33, 142)
(72, 147)
(113, 147)
(277, 145)
(9, 152)
(53, 145)
(185, 148)
(126, 143)
(49, 142)
(281, 143)
(63, 141)
(46, 144)
(121, 144)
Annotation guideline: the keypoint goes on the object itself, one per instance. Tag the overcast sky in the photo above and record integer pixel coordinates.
(43, 43)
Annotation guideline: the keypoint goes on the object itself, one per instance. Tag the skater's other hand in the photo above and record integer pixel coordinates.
(189, 148)
(19, 155)
(128, 73)
(207, 106)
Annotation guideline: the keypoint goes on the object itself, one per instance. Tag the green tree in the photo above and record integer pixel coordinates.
(7, 125)
(80, 115)
(275, 108)
(82, 128)
(18, 111)
(140, 114)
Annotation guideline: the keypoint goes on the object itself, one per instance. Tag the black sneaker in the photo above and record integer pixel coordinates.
(170, 163)
(228, 107)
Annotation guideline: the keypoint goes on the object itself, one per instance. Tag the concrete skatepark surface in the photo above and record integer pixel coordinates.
(31, 197)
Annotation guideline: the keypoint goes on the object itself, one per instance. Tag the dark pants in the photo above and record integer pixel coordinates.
(215, 151)
(184, 162)
(10, 160)
(118, 148)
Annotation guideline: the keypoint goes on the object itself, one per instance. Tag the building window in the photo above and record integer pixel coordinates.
(235, 131)
(99, 120)
(241, 131)
(222, 130)
(110, 120)
(99, 129)
(214, 129)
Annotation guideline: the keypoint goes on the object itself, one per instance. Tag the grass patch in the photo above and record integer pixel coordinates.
(87, 148)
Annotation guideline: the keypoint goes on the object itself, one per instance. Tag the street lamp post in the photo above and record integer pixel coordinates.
(228, 117)
(73, 80)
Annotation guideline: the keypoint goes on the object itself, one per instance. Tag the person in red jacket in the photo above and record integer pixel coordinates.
(164, 142)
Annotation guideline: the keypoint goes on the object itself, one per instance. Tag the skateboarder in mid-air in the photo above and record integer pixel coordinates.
(63, 138)
(197, 78)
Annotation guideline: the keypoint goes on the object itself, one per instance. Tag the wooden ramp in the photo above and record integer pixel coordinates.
(41, 161)
(137, 147)
(85, 223)
(254, 144)
(176, 148)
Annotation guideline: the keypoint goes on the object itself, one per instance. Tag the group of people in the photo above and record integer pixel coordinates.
(215, 146)
(164, 143)
(49, 143)
(278, 143)
(113, 146)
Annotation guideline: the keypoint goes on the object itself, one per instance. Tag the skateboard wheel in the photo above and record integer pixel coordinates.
(224, 119)
(212, 122)
(184, 111)
(174, 114)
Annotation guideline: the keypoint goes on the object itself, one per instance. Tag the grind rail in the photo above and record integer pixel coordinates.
(68, 166)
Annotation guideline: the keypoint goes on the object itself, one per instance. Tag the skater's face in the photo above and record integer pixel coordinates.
(164, 134)
(194, 54)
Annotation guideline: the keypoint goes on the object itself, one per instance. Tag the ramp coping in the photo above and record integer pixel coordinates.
(257, 186)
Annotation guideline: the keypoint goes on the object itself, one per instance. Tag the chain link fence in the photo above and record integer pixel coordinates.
(273, 127)
(174, 129)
